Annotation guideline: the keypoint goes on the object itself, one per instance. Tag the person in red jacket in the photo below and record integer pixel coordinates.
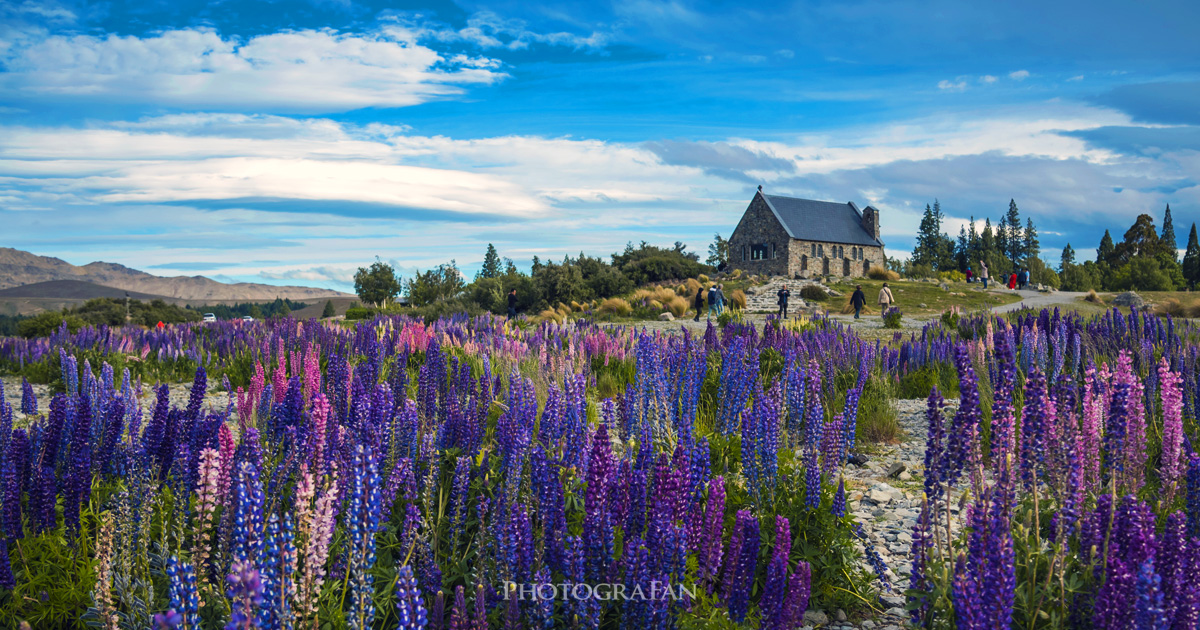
(1012, 282)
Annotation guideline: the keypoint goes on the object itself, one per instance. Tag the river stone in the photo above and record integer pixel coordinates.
(1130, 299)
(895, 469)
(815, 617)
(666, 317)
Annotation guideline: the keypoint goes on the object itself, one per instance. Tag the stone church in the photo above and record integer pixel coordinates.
(802, 238)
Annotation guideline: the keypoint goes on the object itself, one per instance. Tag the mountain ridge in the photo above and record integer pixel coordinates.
(19, 268)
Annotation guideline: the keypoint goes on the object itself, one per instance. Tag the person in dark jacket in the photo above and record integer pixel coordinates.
(858, 300)
(699, 303)
(783, 295)
(512, 304)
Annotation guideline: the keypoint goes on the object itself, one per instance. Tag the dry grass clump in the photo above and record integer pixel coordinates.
(615, 306)
(677, 306)
(1178, 308)
(702, 278)
(692, 285)
(1093, 297)
(653, 294)
(879, 272)
(576, 306)
(737, 273)
(738, 299)
(551, 315)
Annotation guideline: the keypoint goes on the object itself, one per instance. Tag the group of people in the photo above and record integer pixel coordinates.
(858, 300)
(1018, 279)
(716, 301)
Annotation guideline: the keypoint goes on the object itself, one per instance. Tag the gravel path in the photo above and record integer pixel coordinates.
(180, 392)
(1035, 299)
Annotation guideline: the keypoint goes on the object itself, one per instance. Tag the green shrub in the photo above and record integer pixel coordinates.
(813, 293)
(46, 324)
(892, 317)
(360, 312)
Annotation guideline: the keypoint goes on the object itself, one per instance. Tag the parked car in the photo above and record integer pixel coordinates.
(209, 318)
(247, 318)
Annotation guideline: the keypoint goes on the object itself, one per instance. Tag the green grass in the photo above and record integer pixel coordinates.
(910, 294)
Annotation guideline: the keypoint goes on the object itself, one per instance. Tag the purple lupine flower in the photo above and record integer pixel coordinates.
(799, 590)
(278, 560)
(968, 613)
(184, 600)
(597, 524)
(410, 606)
(1150, 614)
(714, 523)
(244, 589)
(438, 614)
(744, 568)
(1193, 496)
(363, 514)
(1003, 429)
(248, 517)
(13, 484)
(962, 447)
(1172, 429)
(7, 581)
(636, 610)
(934, 445)
(774, 597)
(29, 402)
(838, 507)
(79, 479)
(873, 557)
(460, 619)
(1173, 562)
(1035, 429)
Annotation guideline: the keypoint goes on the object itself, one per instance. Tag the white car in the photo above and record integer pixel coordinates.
(209, 318)
(247, 318)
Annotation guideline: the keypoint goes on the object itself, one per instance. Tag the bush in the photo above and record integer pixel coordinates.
(918, 271)
(1178, 308)
(814, 293)
(677, 306)
(730, 317)
(615, 307)
(360, 312)
(551, 316)
(46, 324)
(1093, 297)
(879, 272)
(950, 318)
(953, 276)
(443, 308)
(703, 278)
(892, 317)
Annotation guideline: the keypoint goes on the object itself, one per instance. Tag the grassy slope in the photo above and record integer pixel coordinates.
(911, 294)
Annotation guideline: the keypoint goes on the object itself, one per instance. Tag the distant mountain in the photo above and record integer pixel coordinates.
(21, 268)
(72, 290)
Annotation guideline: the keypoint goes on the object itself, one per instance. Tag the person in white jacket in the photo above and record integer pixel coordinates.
(885, 299)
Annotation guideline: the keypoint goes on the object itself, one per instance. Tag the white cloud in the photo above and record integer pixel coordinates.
(785, 53)
(46, 10)
(957, 85)
(1019, 75)
(293, 71)
(987, 78)
(1078, 77)
(488, 30)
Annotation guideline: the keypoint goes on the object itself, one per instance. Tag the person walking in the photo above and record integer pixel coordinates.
(712, 302)
(699, 302)
(720, 299)
(858, 300)
(970, 276)
(983, 274)
(783, 295)
(1012, 282)
(885, 299)
(1024, 279)
(512, 304)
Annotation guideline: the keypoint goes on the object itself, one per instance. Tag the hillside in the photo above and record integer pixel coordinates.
(21, 268)
(71, 290)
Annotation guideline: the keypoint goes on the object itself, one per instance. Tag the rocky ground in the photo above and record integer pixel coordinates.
(180, 392)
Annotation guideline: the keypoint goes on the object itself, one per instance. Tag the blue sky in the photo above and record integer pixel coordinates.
(292, 141)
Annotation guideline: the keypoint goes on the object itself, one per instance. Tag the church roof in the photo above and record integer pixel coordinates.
(826, 221)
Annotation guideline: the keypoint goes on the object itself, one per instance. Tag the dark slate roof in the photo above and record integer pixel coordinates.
(821, 220)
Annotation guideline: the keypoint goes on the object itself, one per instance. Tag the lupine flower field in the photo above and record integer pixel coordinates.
(409, 475)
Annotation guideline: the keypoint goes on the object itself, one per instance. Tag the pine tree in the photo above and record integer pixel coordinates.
(1001, 237)
(962, 249)
(1068, 258)
(1031, 248)
(1191, 259)
(1107, 250)
(924, 253)
(1016, 244)
(491, 264)
(1167, 240)
(329, 310)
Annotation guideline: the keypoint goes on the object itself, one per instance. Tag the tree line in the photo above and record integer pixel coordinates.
(444, 288)
(1145, 259)
(1004, 247)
